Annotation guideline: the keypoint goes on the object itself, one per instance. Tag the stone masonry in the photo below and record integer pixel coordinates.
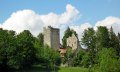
(73, 42)
(52, 37)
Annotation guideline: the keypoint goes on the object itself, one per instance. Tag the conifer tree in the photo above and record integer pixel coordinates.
(114, 41)
(102, 39)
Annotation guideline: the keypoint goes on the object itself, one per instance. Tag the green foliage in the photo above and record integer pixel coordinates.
(68, 53)
(83, 59)
(78, 59)
(41, 39)
(114, 41)
(72, 69)
(99, 56)
(25, 49)
(89, 41)
(7, 49)
(66, 35)
(118, 44)
(68, 56)
(51, 55)
(16, 51)
(107, 61)
(103, 39)
(119, 36)
(86, 62)
(46, 56)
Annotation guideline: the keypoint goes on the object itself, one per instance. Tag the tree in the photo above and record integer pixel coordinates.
(39, 46)
(3, 56)
(86, 61)
(46, 56)
(78, 59)
(102, 39)
(41, 39)
(7, 49)
(118, 44)
(114, 41)
(66, 35)
(52, 57)
(68, 56)
(89, 40)
(119, 36)
(25, 49)
(39, 52)
(107, 61)
(12, 49)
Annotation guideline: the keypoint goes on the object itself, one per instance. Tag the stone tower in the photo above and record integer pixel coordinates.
(52, 37)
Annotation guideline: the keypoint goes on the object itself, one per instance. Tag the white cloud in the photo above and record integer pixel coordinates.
(110, 21)
(29, 20)
(55, 20)
(0, 26)
(80, 29)
(24, 20)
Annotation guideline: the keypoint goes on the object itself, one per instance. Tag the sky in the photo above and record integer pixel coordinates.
(33, 15)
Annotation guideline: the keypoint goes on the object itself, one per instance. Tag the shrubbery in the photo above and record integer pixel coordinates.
(23, 50)
(102, 53)
(107, 61)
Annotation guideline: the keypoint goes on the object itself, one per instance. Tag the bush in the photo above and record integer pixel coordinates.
(47, 57)
(107, 61)
(78, 59)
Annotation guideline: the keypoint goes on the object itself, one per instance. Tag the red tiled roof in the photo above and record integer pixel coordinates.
(63, 50)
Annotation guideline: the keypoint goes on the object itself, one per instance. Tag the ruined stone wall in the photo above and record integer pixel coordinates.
(52, 37)
(73, 42)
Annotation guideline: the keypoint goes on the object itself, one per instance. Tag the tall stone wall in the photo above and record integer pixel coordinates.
(47, 36)
(52, 37)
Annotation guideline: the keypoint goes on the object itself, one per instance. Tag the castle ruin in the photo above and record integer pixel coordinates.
(73, 42)
(52, 37)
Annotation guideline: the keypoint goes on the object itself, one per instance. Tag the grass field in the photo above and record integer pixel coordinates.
(60, 69)
(72, 69)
